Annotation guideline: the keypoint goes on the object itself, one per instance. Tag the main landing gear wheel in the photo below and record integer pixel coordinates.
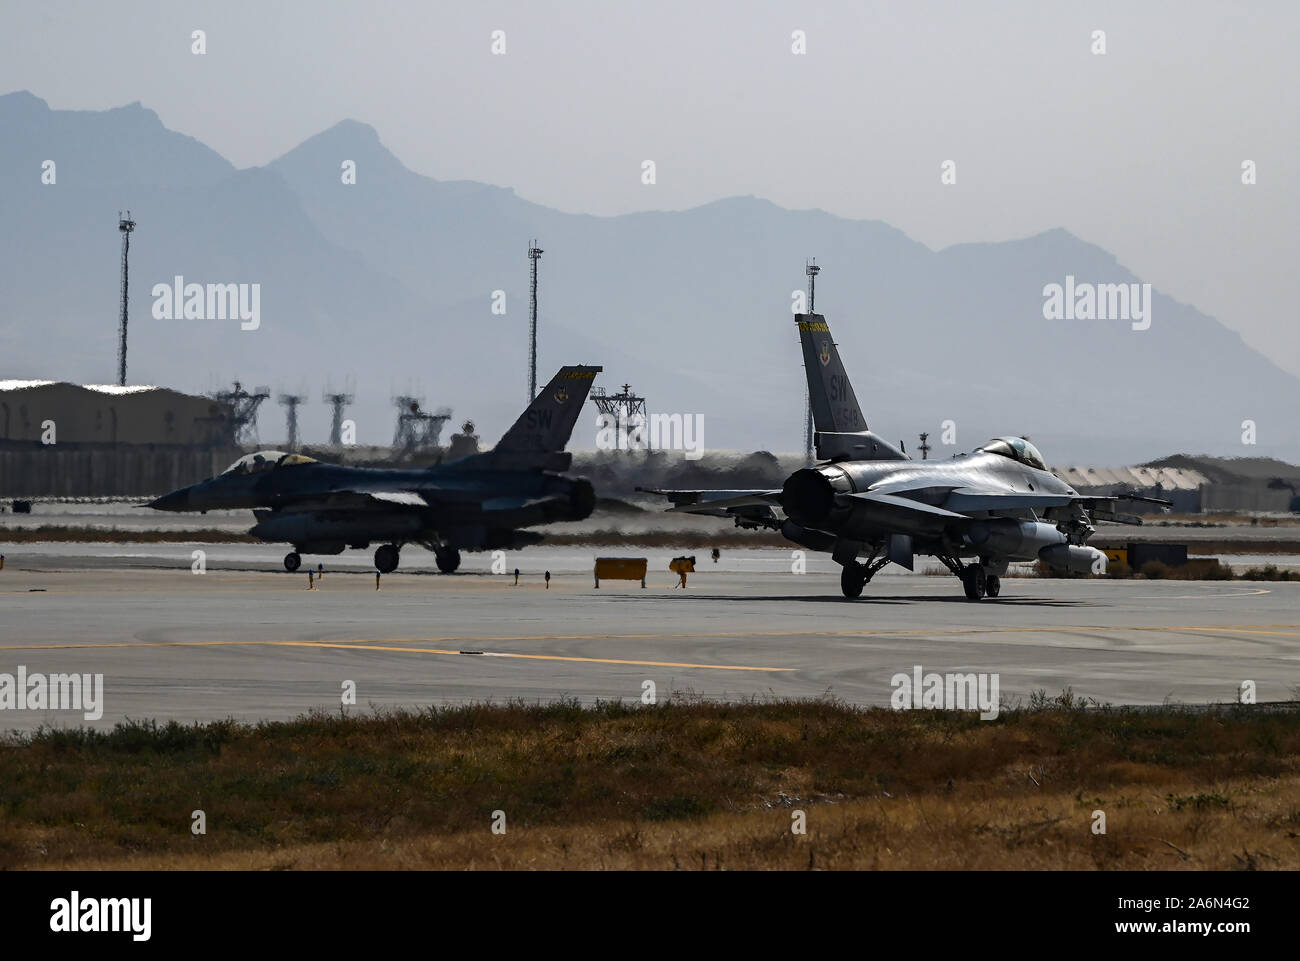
(975, 582)
(447, 559)
(386, 559)
(992, 585)
(292, 561)
(852, 579)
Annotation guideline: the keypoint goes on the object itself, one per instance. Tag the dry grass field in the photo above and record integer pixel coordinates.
(683, 785)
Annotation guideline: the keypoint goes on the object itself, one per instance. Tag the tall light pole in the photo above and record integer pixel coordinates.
(811, 269)
(126, 225)
(534, 254)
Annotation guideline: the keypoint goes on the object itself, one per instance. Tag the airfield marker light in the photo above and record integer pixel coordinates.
(548, 580)
(2, 562)
(311, 579)
(376, 580)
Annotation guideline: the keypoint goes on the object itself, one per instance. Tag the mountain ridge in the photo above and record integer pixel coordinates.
(392, 279)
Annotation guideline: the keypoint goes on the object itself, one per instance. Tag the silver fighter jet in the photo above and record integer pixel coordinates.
(869, 504)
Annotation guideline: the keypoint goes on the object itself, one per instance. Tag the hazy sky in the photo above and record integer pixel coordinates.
(1138, 150)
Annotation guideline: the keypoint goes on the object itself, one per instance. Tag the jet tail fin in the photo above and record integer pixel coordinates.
(547, 423)
(834, 406)
(536, 441)
(840, 429)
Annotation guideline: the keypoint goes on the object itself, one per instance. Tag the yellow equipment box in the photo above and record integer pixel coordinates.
(620, 569)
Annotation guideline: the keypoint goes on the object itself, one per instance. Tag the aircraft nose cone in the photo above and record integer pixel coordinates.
(175, 501)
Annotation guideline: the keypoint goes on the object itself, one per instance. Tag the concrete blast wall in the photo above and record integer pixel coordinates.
(1244, 497)
(106, 472)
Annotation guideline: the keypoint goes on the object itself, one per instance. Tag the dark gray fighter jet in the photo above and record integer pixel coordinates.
(975, 513)
(479, 502)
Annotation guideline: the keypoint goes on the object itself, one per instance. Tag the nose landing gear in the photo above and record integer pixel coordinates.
(977, 582)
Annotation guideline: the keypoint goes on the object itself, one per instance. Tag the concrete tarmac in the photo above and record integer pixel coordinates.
(249, 641)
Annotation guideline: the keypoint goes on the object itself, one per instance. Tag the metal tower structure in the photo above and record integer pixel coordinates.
(627, 409)
(925, 447)
(126, 225)
(417, 430)
(812, 270)
(337, 402)
(241, 427)
(534, 254)
(291, 404)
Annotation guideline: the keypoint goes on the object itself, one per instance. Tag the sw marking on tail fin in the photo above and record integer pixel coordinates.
(834, 406)
(840, 429)
(547, 424)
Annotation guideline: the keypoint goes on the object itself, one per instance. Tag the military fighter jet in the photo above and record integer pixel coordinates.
(976, 512)
(479, 502)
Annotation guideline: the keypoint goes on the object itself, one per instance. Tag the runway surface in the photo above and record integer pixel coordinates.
(248, 641)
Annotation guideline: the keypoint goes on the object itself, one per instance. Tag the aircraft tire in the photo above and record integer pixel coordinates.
(852, 580)
(447, 559)
(386, 558)
(292, 561)
(992, 585)
(974, 583)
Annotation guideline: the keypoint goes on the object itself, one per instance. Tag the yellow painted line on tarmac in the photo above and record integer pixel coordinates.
(392, 643)
(380, 645)
(530, 657)
(911, 632)
(63, 647)
(1249, 592)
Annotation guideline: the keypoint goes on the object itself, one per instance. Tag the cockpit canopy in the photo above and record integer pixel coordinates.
(1018, 449)
(265, 460)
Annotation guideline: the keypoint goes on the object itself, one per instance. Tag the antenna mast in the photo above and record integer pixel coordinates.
(534, 254)
(811, 269)
(125, 225)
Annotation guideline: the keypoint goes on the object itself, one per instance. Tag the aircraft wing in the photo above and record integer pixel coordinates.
(355, 500)
(905, 506)
(967, 499)
(406, 498)
(509, 503)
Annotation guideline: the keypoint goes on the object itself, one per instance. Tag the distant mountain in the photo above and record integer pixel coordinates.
(390, 280)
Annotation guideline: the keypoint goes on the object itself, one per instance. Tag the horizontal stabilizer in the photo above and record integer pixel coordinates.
(716, 501)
